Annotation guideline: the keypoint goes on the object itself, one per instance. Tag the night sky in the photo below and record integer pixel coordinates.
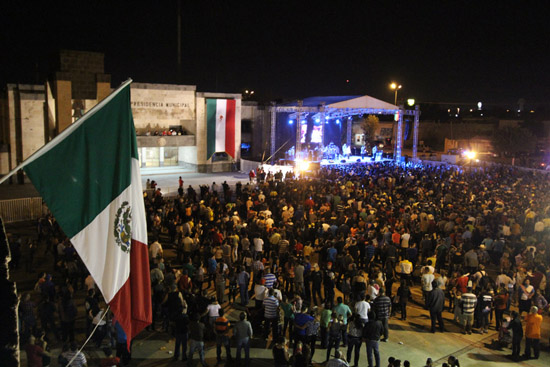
(466, 51)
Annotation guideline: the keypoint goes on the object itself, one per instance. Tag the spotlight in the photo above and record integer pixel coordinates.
(337, 121)
(290, 122)
(317, 120)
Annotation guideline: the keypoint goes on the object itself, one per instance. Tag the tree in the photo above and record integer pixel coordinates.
(370, 126)
(513, 140)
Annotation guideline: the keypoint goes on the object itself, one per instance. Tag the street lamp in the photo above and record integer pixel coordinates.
(395, 87)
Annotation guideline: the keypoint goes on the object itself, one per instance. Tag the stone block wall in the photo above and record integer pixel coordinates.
(85, 70)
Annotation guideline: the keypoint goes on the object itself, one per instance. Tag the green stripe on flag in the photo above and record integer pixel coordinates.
(83, 173)
(210, 127)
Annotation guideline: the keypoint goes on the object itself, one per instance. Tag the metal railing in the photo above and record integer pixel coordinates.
(17, 210)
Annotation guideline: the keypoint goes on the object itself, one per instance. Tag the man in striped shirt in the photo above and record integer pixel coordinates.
(269, 279)
(79, 360)
(468, 303)
(382, 308)
(271, 314)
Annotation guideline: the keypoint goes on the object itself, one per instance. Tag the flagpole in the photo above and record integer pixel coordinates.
(59, 138)
(90, 336)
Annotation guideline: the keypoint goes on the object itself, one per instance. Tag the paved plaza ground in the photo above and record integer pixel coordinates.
(409, 340)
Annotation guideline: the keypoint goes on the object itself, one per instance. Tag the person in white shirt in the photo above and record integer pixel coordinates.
(362, 309)
(213, 310)
(260, 292)
(155, 250)
(258, 244)
(372, 290)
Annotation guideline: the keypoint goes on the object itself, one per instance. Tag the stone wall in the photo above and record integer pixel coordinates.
(84, 68)
(26, 106)
(166, 141)
(157, 107)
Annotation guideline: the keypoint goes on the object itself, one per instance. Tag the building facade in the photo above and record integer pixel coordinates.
(173, 122)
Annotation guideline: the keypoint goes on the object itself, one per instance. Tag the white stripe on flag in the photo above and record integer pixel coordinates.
(96, 244)
(221, 106)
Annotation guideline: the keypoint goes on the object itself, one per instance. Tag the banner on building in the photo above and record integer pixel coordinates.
(220, 127)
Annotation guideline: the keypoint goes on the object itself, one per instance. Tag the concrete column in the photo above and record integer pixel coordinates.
(273, 131)
(323, 121)
(349, 125)
(103, 86)
(298, 130)
(399, 140)
(63, 105)
(415, 132)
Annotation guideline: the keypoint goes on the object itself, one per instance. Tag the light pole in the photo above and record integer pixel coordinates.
(395, 87)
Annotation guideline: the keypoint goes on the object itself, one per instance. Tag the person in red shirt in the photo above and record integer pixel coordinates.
(35, 353)
(501, 301)
(462, 282)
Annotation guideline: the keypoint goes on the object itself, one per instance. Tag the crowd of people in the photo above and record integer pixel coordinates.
(326, 262)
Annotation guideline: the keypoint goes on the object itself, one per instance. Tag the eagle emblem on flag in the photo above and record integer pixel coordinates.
(123, 228)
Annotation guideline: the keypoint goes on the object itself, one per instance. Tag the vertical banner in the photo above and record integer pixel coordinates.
(220, 126)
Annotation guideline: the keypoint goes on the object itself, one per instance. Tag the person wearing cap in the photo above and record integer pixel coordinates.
(533, 322)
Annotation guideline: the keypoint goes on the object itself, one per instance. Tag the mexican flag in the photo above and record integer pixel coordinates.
(220, 126)
(89, 178)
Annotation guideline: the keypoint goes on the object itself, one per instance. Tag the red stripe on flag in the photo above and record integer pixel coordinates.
(230, 128)
(132, 303)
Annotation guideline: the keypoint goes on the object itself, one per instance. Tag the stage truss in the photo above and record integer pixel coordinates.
(322, 112)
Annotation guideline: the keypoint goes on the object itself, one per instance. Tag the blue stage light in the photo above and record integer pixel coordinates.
(317, 120)
(303, 121)
(290, 122)
(338, 121)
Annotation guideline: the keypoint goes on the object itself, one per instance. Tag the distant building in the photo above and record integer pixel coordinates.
(171, 120)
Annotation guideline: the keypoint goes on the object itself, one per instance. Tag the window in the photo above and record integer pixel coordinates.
(170, 156)
(151, 157)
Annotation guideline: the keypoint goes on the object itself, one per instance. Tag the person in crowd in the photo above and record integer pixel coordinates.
(338, 360)
(533, 322)
(382, 309)
(73, 354)
(343, 310)
(196, 340)
(403, 295)
(355, 338)
(221, 328)
(243, 335)
(517, 330)
(371, 333)
(468, 303)
(436, 304)
(281, 357)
